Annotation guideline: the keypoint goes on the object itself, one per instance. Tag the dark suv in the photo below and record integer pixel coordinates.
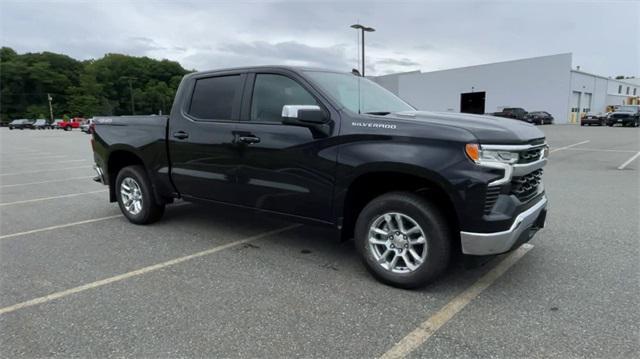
(20, 124)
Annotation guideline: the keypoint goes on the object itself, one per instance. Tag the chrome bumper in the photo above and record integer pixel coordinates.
(481, 244)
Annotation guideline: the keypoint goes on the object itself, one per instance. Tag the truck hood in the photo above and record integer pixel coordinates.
(487, 129)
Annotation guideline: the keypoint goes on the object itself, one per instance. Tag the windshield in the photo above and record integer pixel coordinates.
(628, 108)
(344, 88)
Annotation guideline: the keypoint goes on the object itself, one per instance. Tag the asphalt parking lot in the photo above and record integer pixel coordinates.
(78, 280)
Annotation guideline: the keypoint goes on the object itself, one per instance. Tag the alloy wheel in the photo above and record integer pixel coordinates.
(131, 195)
(397, 242)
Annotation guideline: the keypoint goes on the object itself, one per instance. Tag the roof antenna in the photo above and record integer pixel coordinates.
(355, 72)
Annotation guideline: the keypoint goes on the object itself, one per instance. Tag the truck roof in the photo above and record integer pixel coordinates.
(297, 69)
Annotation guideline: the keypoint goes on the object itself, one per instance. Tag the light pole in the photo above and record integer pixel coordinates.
(131, 78)
(363, 29)
(49, 98)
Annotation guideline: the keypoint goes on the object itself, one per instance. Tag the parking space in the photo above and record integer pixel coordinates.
(78, 280)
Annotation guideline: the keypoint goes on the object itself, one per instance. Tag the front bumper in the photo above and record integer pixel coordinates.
(523, 228)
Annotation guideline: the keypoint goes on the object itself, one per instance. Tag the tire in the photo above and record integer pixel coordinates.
(148, 210)
(413, 211)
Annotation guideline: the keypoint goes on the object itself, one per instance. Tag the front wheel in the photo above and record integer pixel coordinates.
(404, 240)
(135, 196)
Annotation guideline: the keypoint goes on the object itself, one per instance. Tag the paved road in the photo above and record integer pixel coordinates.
(211, 282)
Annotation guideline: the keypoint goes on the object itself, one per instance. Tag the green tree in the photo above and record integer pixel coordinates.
(87, 88)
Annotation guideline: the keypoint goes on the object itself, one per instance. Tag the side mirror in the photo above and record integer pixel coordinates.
(301, 115)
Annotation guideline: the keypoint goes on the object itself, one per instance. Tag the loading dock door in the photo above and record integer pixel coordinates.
(472, 102)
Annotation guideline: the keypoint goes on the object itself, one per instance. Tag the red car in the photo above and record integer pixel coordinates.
(71, 124)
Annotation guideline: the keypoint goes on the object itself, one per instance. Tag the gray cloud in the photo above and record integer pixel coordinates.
(398, 62)
(409, 35)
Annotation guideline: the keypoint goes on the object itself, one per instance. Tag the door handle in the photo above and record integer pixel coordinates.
(181, 135)
(248, 139)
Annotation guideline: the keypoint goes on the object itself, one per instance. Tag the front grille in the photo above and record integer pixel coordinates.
(526, 187)
(491, 198)
(529, 156)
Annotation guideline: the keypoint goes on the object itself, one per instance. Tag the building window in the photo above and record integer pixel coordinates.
(627, 90)
(635, 89)
(619, 88)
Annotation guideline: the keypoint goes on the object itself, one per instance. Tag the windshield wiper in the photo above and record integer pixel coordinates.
(378, 113)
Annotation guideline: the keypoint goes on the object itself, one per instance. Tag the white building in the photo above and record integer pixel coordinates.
(546, 83)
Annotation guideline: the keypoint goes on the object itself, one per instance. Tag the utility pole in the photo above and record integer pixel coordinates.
(49, 98)
(363, 29)
(131, 78)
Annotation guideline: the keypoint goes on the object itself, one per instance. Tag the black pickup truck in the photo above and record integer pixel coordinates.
(333, 148)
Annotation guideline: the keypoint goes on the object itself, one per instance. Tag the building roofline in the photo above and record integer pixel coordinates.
(604, 77)
(479, 65)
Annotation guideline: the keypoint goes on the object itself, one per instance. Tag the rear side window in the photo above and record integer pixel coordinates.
(215, 97)
(272, 92)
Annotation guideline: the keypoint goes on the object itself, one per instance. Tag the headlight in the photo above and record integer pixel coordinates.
(478, 155)
(498, 156)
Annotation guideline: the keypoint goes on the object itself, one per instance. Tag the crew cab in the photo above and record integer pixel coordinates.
(626, 115)
(411, 187)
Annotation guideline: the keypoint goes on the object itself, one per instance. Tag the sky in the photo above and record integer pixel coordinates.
(604, 36)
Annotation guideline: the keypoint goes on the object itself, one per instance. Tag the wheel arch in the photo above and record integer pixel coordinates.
(369, 184)
(123, 156)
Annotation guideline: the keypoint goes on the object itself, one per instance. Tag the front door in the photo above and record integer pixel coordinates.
(203, 155)
(283, 167)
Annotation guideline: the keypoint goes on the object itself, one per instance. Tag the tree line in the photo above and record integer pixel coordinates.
(84, 88)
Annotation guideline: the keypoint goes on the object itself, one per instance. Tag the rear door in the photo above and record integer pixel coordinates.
(285, 168)
(201, 137)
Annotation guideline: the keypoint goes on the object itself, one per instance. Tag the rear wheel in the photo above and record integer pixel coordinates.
(404, 240)
(135, 196)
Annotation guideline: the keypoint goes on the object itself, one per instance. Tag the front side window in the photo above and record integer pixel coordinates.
(271, 92)
(215, 97)
(358, 94)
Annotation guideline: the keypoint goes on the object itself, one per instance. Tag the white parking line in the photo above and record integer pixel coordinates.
(49, 170)
(600, 150)
(627, 162)
(42, 182)
(421, 334)
(37, 155)
(138, 272)
(50, 198)
(565, 147)
(44, 163)
(5, 236)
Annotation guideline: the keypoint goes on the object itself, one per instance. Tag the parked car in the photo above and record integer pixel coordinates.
(293, 142)
(41, 124)
(539, 118)
(625, 115)
(516, 113)
(71, 124)
(55, 125)
(87, 127)
(20, 124)
(593, 119)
